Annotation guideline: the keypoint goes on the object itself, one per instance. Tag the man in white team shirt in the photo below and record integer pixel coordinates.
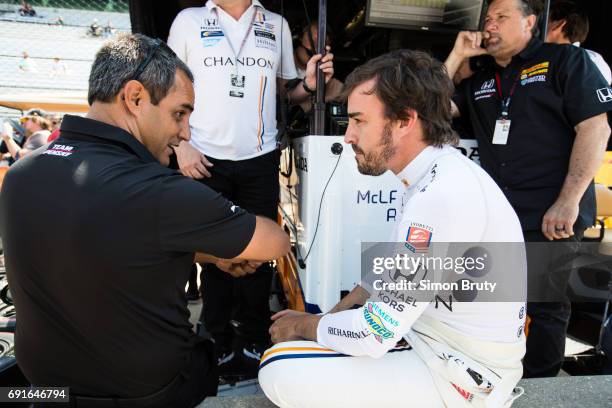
(569, 24)
(467, 355)
(240, 55)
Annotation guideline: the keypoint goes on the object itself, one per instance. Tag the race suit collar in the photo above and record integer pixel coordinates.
(417, 168)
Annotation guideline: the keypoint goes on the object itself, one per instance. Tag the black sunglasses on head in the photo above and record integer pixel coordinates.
(143, 65)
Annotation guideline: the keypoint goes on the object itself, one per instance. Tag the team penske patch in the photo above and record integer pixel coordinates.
(418, 237)
(59, 150)
(375, 317)
(536, 73)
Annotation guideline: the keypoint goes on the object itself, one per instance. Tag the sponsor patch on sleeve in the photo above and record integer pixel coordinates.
(418, 237)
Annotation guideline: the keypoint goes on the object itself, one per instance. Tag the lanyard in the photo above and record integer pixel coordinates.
(246, 36)
(505, 102)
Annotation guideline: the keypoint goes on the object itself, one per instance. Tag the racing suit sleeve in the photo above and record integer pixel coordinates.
(376, 327)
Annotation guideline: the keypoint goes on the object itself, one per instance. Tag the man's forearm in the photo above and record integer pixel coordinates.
(586, 157)
(358, 296)
(205, 258)
(298, 95)
(452, 64)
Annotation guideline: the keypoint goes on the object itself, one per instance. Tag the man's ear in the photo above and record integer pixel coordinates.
(532, 20)
(133, 95)
(408, 124)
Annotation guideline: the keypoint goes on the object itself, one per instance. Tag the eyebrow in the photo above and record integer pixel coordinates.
(354, 114)
(187, 106)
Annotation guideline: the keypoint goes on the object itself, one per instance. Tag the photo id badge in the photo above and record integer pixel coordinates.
(237, 85)
(502, 129)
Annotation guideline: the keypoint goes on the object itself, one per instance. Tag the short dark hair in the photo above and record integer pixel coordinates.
(576, 26)
(528, 8)
(408, 79)
(117, 61)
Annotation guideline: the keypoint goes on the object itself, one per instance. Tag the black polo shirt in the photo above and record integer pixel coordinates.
(99, 241)
(557, 87)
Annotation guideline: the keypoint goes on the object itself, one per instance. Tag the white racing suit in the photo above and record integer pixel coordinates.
(462, 354)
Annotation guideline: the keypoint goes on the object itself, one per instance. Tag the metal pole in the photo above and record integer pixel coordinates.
(318, 127)
(544, 21)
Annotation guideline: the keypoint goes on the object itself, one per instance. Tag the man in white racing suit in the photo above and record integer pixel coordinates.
(377, 350)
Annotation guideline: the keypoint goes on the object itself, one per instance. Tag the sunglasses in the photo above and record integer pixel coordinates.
(143, 65)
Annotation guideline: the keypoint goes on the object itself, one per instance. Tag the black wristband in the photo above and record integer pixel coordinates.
(306, 88)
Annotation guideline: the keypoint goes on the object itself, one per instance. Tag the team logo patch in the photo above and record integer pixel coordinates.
(604, 94)
(487, 90)
(418, 237)
(211, 37)
(375, 323)
(536, 73)
(59, 150)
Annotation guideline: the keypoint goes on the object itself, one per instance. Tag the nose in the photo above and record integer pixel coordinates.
(349, 135)
(490, 25)
(185, 132)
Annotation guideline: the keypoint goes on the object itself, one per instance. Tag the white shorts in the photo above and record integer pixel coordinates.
(305, 374)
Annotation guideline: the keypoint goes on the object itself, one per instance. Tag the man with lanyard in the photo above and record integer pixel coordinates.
(240, 54)
(465, 355)
(539, 115)
(101, 301)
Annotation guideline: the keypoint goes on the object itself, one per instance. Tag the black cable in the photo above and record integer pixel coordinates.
(320, 206)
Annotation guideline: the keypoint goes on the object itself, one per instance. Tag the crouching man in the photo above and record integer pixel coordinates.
(370, 352)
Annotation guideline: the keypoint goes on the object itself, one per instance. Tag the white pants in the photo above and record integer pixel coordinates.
(305, 374)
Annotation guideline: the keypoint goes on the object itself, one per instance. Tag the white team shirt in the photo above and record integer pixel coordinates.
(453, 200)
(224, 126)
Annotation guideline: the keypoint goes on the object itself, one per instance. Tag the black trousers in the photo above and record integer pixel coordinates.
(549, 320)
(188, 389)
(252, 185)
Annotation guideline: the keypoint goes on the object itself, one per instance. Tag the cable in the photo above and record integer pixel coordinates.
(303, 261)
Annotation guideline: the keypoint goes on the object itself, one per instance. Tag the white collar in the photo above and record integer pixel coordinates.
(419, 166)
(211, 5)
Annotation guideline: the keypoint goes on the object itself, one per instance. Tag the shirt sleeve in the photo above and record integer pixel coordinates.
(286, 69)
(460, 96)
(584, 90)
(376, 327)
(176, 38)
(35, 141)
(194, 218)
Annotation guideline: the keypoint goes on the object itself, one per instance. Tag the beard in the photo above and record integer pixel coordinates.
(375, 163)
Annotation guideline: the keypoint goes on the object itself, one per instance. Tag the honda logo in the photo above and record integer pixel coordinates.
(604, 94)
(488, 85)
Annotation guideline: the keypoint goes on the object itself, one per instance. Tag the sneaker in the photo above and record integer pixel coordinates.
(254, 351)
(225, 357)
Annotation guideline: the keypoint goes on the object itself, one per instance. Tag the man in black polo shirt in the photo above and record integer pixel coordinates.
(100, 238)
(539, 114)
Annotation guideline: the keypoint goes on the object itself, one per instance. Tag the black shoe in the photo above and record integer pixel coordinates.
(254, 351)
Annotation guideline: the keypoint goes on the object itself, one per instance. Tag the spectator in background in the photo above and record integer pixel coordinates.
(95, 29)
(56, 121)
(304, 50)
(27, 64)
(109, 30)
(569, 24)
(58, 68)
(26, 10)
(59, 21)
(36, 133)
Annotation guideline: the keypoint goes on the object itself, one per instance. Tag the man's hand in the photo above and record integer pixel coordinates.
(191, 162)
(468, 43)
(327, 66)
(559, 220)
(293, 325)
(237, 268)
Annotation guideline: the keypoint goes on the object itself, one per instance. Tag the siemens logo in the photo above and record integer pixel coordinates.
(245, 61)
